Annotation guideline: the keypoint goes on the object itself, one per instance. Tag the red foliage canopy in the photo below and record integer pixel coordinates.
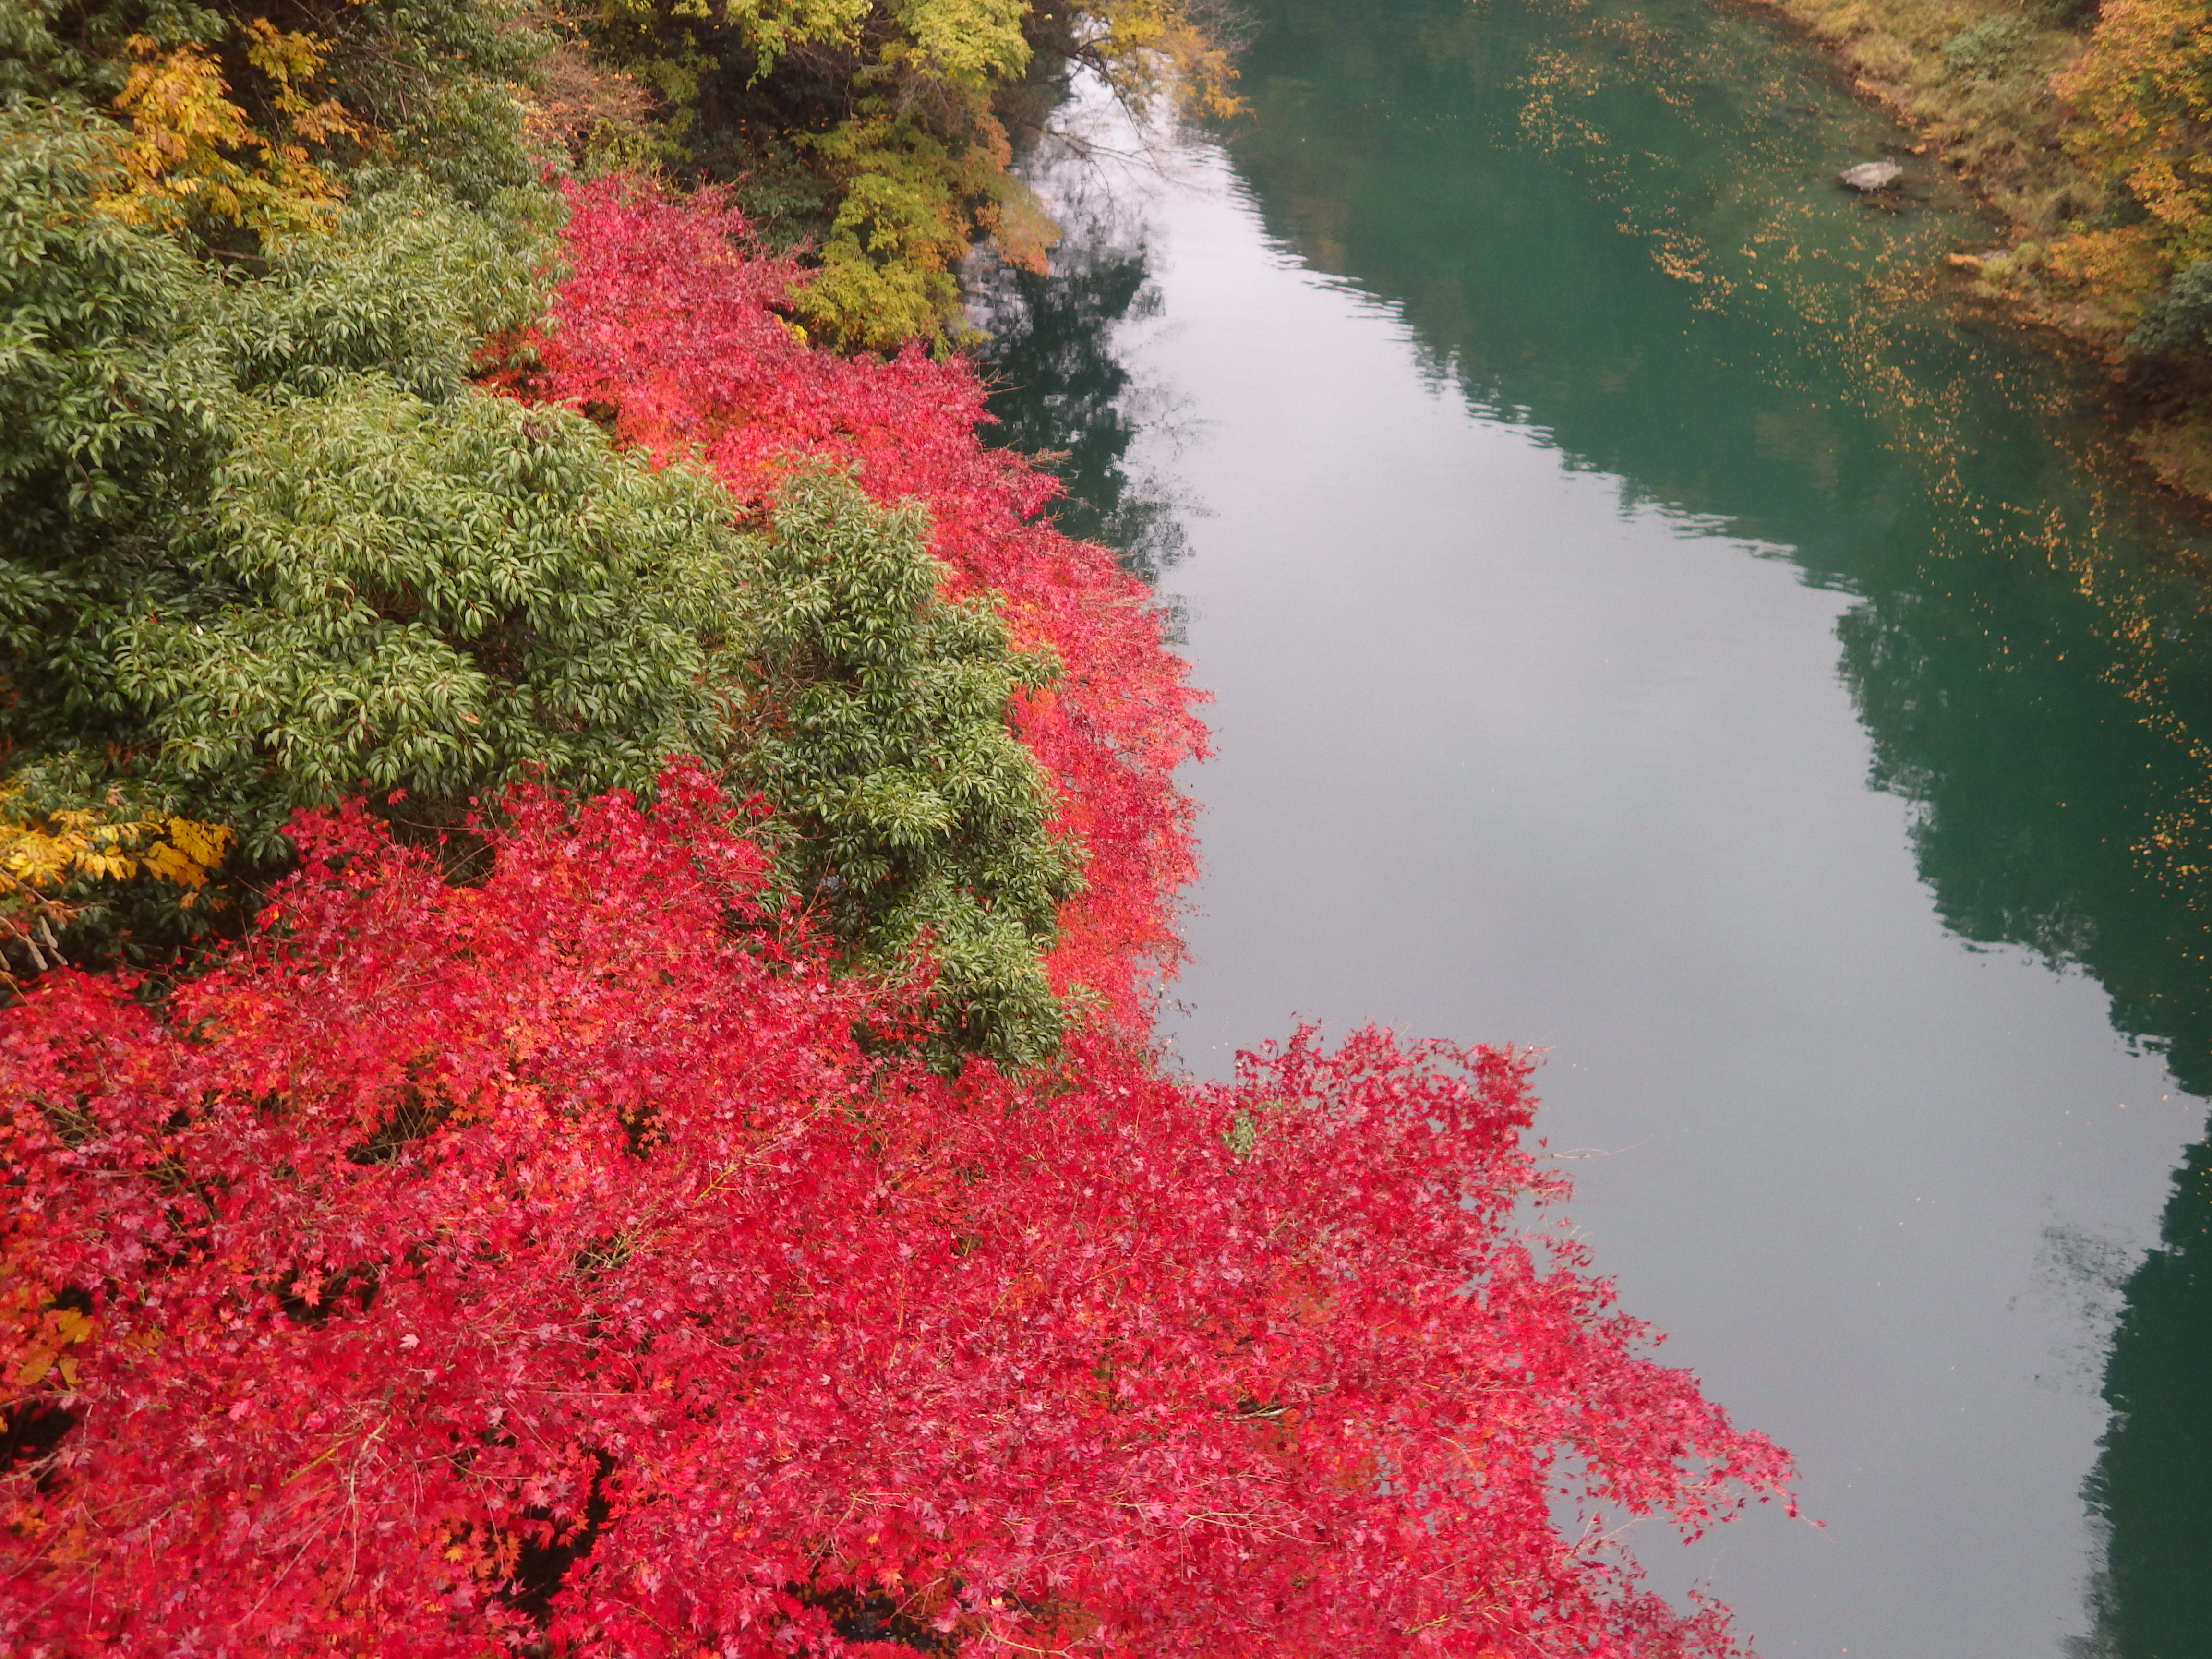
(667, 328)
(447, 1240)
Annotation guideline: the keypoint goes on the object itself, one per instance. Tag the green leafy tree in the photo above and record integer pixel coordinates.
(441, 597)
(266, 544)
(907, 812)
(2179, 322)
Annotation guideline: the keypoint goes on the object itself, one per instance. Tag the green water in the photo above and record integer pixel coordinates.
(1655, 616)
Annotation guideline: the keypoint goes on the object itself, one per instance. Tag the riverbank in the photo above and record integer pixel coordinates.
(2063, 119)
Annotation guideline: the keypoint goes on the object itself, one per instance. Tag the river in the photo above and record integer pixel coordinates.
(1654, 620)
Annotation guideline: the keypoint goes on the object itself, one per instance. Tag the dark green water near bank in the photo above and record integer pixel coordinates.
(1653, 618)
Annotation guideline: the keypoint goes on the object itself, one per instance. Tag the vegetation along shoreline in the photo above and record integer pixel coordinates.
(2090, 128)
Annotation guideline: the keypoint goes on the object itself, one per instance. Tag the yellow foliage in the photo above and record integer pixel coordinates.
(84, 843)
(1147, 47)
(2140, 101)
(910, 204)
(42, 854)
(194, 149)
(2123, 264)
(291, 61)
(59, 1330)
(774, 26)
(1020, 229)
(964, 43)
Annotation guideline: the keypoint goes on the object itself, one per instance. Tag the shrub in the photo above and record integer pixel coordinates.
(1988, 48)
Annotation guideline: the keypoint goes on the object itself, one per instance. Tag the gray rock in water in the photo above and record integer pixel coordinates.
(1872, 175)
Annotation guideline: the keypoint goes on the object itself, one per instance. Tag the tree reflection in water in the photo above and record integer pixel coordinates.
(2153, 1484)
(1057, 362)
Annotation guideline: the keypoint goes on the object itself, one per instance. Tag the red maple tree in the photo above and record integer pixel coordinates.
(541, 1266)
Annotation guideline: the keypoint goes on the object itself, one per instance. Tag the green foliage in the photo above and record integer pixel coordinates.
(1988, 48)
(909, 206)
(875, 133)
(110, 365)
(871, 131)
(120, 356)
(437, 80)
(439, 598)
(409, 284)
(863, 132)
(2179, 320)
(264, 546)
(907, 812)
(68, 47)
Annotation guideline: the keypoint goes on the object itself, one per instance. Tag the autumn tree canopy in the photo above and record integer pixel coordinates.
(543, 1261)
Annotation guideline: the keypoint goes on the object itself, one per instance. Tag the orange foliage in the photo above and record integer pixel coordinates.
(2142, 115)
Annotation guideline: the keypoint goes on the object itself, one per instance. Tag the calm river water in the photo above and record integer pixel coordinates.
(1649, 621)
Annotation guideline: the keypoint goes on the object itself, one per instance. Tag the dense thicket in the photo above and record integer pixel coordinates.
(245, 120)
(880, 133)
(266, 544)
(873, 135)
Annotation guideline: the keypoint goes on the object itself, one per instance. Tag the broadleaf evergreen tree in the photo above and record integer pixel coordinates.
(907, 813)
